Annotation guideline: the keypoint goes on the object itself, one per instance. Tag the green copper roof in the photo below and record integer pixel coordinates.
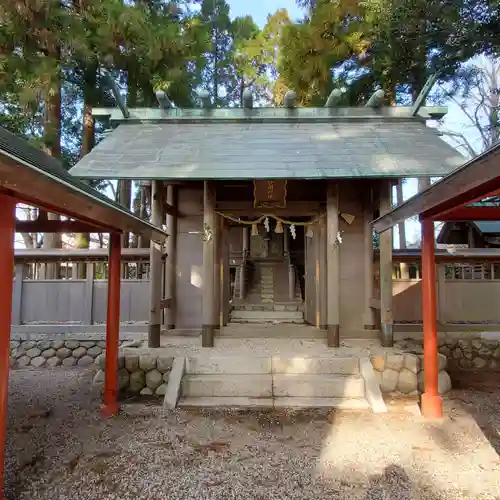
(31, 174)
(367, 143)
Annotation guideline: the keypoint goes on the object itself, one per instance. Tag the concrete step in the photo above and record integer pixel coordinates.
(338, 403)
(266, 315)
(229, 365)
(268, 403)
(302, 365)
(318, 386)
(227, 385)
(265, 365)
(226, 402)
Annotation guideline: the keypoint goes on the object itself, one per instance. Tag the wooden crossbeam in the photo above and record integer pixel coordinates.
(470, 214)
(116, 94)
(56, 226)
(419, 101)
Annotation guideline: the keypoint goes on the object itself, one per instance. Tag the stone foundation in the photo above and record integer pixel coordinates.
(145, 374)
(401, 374)
(474, 353)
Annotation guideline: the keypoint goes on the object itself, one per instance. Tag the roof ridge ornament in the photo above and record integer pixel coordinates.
(333, 99)
(111, 84)
(247, 99)
(376, 100)
(204, 96)
(290, 99)
(163, 100)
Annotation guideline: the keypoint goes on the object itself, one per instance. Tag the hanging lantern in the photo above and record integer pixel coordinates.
(255, 230)
(279, 227)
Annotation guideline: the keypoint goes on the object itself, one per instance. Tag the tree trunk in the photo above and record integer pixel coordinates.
(82, 240)
(52, 146)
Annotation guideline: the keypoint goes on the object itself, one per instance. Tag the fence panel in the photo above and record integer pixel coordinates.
(52, 301)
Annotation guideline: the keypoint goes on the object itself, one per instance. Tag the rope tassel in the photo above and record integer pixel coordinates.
(279, 227)
(255, 230)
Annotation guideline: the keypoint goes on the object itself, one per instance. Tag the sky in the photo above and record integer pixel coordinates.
(260, 9)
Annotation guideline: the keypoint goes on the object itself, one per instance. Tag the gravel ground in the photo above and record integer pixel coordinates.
(59, 448)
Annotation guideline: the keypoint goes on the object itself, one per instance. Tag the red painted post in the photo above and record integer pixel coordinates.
(432, 404)
(111, 406)
(7, 231)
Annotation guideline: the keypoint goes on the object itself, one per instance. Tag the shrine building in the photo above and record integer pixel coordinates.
(269, 210)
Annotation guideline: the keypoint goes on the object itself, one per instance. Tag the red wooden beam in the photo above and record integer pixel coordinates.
(7, 229)
(111, 406)
(56, 226)
(432, 404)
(469, 213)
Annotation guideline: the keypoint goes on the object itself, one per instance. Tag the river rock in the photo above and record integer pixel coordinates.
(389, 380)
(71, 361)
(161, 390)
(86, 361)
(63, 353)
(94, 351)
(38, 361)
(147, 362)
(137, 381)
(394, 362)
(154, 378)
(33, 352)
(79, 352)
(407, 381)
(55, 361)
(132, 362)
(49, 353)
(72, 344)
(378, 363)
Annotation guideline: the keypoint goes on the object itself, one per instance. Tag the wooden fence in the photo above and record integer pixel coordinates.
(468, 291)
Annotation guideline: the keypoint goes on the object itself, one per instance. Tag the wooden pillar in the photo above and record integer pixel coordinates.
(217, 273)
(155, 268)
(291, 282)
(226, 276)
(7, 231)
(207, 332)
(171, 260)
(333, 266)
(110, 406)
(291, 267)
(246, 246)
(403, 266)
(323, 301)
(368, 320)
(432, 404)
(386, 318)
(317, 287)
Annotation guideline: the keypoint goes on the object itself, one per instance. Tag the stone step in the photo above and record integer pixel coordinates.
(229, 365)
(267, 315)
(255, 386)
(265, 365)
(226, 402)
(338, 403)
(268, 386)
(263, 319)
(267, 403)
(302, 365)
(318, 386)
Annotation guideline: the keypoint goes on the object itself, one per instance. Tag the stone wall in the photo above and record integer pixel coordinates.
(471, 353)
(67, 353)
(139, 373)
(402, 374)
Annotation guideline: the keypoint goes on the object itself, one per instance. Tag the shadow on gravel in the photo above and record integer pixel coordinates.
(477, 393)
(394, 483)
